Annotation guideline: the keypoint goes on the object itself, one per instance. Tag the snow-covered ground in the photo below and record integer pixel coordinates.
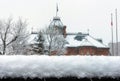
(59, 66)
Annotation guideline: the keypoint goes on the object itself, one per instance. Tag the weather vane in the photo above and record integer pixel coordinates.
(56, 9)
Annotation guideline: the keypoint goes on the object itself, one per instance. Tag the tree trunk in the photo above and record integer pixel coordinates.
(4, 48)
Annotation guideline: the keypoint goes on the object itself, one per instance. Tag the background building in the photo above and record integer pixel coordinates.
(78, 43)
(85, 44)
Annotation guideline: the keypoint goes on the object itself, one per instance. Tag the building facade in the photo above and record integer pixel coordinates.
(85, 44)
(80, 43)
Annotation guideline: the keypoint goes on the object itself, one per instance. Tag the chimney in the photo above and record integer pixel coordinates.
(64, 31)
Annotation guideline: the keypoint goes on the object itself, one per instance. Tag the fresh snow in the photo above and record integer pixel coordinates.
(87, 41)
(59, 66)
(32, 39)
(71, 41)
(95, 42)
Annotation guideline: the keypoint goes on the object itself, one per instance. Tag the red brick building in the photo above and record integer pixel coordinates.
(84, 44)
(80, 43)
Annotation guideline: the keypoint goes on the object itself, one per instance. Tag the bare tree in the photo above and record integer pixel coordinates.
(10, 33)
(54, 41)
(19, 45)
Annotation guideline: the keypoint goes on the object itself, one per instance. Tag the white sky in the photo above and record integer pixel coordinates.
(78, 15)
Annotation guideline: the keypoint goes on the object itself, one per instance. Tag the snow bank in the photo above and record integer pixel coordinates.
(59, 66)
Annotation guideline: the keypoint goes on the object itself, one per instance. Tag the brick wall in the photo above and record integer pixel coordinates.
(103, 51)
(87, 50)
(72, 51)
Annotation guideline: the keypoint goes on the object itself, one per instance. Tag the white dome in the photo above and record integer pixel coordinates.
(56, 22)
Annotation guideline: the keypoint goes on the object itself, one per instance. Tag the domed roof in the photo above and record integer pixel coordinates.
(56, 22)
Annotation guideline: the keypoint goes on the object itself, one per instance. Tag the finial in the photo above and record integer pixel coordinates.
(56, 9)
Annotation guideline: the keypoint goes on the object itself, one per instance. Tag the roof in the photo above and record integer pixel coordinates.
(32, 39)
(87, 40)
(86, 43)
(95, 42)
(71, 41)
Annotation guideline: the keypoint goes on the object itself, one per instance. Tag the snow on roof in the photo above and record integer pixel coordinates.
(71, 41)
(59, 66)
(32, 39)
(87, 41)
(95, 42)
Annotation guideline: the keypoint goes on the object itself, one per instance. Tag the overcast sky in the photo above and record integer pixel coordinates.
(77, 15)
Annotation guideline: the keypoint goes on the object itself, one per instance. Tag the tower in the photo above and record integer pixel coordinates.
(57, 23)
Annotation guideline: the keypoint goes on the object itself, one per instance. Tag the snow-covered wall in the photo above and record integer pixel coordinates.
(59, 66)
